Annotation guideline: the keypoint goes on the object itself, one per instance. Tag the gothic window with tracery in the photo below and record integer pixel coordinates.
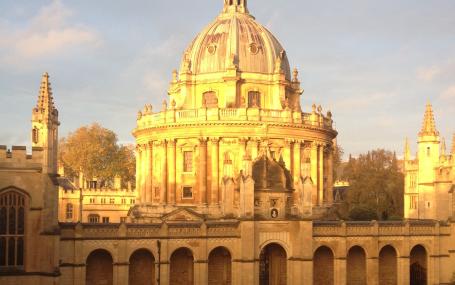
(12, 228)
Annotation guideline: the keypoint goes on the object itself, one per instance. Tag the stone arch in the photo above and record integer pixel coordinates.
(220, 266)
(273, 265)
(181, 267)
(99, 268)
(141, 270)
(388, 266)
(356, 266)
(323, 266)
(418, 265)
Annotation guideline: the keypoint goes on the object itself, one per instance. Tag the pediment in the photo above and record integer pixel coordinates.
(183, 215)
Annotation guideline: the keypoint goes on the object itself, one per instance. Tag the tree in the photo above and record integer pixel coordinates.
(94, 151)
(375, 184)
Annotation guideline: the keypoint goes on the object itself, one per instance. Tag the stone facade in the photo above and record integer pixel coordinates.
(430, 176)
(232, 177)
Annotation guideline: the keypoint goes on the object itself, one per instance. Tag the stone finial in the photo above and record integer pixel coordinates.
(443, 147)
(164, 106)
(174, 76)
(173, 104)
(233, 6)
(295, 75)
(319, 109)
(139, 115)
(428, 126)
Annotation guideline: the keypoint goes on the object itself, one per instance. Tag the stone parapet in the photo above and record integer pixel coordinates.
(17, 157)
(173, 116)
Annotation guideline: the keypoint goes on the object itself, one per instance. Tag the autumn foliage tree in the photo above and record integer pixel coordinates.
(376, 186)
(95, 151)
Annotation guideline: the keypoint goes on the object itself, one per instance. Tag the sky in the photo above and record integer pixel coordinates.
(374, 64)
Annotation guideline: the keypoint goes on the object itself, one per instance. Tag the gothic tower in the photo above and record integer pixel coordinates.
(45, 126)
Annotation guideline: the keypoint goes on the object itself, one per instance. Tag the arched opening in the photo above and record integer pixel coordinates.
(219, 267)
(99, 268)
(418, 269)
(181, 272)
(141, 270)
(323, 265)
(356, 266)
(388, 266)
(273, 265)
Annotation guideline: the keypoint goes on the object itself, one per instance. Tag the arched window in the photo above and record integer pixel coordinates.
(210, 100)
(69, 211)
(12, 228)
(254, 99)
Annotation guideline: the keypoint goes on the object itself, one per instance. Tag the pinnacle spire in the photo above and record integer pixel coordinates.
(453, 144)
(428, 127)
(45, 102)
(407, 150)
(443, 147)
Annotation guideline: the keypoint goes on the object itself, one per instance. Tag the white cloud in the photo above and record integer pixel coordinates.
(48, 33)
(449, 93)
(427, 74)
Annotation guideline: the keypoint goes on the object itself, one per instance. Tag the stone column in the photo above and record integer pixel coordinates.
(203, 171)
(403, 270)
(144, 173)
(215, 187)
(372, 270)
(296, 147)
(138, 171)
(314, 171)
(340, 270)
(330, 175)
(163, 192)
(171, 187)
(149, 176)
(321, 175)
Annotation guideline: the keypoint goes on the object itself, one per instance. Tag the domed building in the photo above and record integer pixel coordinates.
(233, 141)
(234, 179)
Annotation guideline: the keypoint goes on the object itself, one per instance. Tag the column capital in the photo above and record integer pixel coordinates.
(215, 140)
(171, 142)
(203, 141)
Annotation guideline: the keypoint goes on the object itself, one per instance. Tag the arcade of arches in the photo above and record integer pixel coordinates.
(273, 267)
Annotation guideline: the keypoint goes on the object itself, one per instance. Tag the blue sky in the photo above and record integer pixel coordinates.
(374, 64)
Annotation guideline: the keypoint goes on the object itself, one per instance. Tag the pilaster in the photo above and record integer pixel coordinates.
(171, 185)
(214, 191)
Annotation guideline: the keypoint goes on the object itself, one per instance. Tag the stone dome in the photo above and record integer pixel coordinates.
(235, 39)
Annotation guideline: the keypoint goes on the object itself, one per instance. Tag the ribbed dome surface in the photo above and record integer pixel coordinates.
(235, 38)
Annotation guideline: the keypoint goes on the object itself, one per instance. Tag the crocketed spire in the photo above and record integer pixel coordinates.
(428, 127)
(45, 102)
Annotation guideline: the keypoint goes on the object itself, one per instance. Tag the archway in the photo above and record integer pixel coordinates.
(418, 269)
(273, 265)
(356, 266)
(323, 265)
(388, 266)
(142, 268)
(219, 267)
(181, 272)
(99, 269)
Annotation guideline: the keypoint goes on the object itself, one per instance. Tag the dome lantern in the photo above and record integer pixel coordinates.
(231, 6)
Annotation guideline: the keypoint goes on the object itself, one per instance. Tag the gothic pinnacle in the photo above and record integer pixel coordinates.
(428, 126)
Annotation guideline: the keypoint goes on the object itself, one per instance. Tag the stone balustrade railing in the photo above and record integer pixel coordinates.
(170, 116)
